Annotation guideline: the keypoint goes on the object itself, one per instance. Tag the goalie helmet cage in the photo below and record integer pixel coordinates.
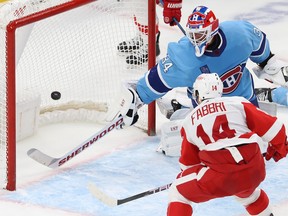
(77, 49)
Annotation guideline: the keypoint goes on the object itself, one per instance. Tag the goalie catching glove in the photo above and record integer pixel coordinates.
(274, 71)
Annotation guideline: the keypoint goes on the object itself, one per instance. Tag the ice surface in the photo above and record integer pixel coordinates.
(125, 162)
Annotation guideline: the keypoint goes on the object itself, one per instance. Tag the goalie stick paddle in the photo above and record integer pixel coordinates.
(110, 201)
(52, 162)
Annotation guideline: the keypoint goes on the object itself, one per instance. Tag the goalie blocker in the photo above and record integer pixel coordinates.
(273, 70)
(126, 104)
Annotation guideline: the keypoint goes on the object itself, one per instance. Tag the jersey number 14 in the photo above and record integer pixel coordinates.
(220, 130)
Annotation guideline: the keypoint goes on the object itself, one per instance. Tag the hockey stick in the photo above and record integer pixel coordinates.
(52, 162)
(179, 26)
(110, 201)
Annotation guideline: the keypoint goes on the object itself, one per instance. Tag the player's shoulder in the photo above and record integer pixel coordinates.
(240, 25)
(235, 23)
(182, 45)
(181, 52)
(234, 99)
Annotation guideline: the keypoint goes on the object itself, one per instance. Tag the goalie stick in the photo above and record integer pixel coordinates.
(110, 201)
(179, 26)
(52, 162)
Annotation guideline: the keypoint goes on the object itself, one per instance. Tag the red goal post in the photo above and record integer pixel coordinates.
(72, 45)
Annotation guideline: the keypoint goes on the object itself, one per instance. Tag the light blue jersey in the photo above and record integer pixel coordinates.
(280, 96)
(240, 40)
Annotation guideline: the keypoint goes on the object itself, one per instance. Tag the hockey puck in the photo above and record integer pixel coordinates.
(55, 95)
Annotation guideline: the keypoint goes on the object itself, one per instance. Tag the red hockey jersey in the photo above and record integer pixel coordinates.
(227, 122)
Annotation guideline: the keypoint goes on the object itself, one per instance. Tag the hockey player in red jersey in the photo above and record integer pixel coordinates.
(221, 154)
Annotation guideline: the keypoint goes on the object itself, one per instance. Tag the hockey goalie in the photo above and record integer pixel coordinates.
(208, 47)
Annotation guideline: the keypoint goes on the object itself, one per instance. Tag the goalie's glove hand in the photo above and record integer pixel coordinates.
(172, 9)
(272, 152)
(274, 71)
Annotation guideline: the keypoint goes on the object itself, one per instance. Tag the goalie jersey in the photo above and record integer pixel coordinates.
(240, 40)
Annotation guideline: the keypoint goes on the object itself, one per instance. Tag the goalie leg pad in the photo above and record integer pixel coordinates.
(269, 107)
(171, 140)
(180, 114)
(165, 107)
(171, 108)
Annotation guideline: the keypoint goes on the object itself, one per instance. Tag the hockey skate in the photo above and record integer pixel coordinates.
(139, 54)
(265, 100)
(168, 107)
(176, 105)
(129, 46)
(263, 94)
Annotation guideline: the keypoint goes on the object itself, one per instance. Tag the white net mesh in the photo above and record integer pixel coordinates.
(74, 52)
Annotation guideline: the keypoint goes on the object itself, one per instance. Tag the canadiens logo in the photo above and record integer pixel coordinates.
(231, 79)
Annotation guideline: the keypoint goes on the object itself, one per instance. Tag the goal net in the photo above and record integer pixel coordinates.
(68, 46)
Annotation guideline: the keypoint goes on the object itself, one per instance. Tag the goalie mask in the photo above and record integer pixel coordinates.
(207, 86)
(202, 25)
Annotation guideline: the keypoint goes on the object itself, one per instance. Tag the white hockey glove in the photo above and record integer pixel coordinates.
(127, 105)
(274, 71)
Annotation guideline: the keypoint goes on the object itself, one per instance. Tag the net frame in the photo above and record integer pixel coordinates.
(10, 73)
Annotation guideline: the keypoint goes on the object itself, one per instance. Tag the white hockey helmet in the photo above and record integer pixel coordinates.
(202, 25)
(207, 86)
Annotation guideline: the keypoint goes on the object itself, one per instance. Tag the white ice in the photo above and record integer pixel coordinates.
(125, 162)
